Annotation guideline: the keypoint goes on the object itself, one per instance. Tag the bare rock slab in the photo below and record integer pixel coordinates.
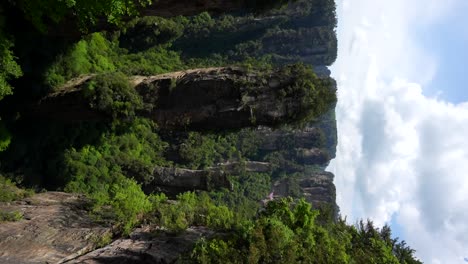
(55, 228)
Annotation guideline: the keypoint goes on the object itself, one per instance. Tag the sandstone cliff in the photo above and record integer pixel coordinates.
(204, 99)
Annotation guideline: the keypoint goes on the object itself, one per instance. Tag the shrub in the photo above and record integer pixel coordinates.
(9, 68)
(146, 32)
(104, 171)
(5, 137)
(10, 216)
(93, 54)
(9, 192)
(112, 93)
(191, 209)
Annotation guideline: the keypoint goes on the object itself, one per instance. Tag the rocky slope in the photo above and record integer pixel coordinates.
(146, 246)
(55, 228)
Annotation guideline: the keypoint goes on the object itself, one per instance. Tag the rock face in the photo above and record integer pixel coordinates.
(176, 180)
(54, 229)
(302, 31)
(312, 156)
(276, 139)
(201, 99)
(173, 181)
(316, 187)
(146, 246)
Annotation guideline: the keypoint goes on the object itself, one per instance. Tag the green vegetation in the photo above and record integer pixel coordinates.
(112, 162)
(85, 12)
(144, 33)
(101, 241)
(103, 171)
(314, 94)
(5, 137)
(284, 35)
(190, 209)
(9, 192)
(112, 94)
(10, 216)
(202, 151)
(9, 68)
(97, 54)
(287, 232)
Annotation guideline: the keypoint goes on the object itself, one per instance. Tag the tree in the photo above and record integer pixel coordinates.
(9, 68)
(87, 12)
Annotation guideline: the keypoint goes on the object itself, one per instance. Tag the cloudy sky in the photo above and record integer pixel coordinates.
(403, 121)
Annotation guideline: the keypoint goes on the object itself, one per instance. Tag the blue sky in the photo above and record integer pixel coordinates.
(447, 42)
(402, 117)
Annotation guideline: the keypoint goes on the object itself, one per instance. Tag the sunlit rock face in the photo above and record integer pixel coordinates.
(147, 246)
(202, 99)
(55, 228)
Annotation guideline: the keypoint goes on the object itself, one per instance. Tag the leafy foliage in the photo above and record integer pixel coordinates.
(9, 192)
(314, 94)
(9, 68)
(143, 33)
(5, 137)
(10, 216)
(191, 210)
(112, 94)
(102, 171)
(85, 11)
(109, 161)
(92, 54)
(288, 233)
(97, 54)
(204, 150)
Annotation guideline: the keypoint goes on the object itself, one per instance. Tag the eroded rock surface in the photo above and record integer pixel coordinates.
(173, 181)
(203, 99)
(316, 187)
(55, 228)
(146, 246)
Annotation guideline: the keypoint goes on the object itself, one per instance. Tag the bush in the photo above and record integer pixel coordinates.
(191, 209)
(104, 172)
(9, 192)
(9, 68)
(112, 93)
(146, 32)
(93, 54)
(10, 216)
(5, 137)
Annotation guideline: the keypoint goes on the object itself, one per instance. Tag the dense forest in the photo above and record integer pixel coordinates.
(176, 114)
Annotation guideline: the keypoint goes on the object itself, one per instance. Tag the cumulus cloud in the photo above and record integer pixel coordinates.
(401, 154)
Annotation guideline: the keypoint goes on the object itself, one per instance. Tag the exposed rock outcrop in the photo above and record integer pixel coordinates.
(146, 246)
(249, 166)
(273, 140)
(173, 181)
(316, 187)
(312, 156)
(55, 228)
(202, 99)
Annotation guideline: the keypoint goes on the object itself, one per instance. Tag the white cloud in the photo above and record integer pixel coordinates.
(400, 154)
